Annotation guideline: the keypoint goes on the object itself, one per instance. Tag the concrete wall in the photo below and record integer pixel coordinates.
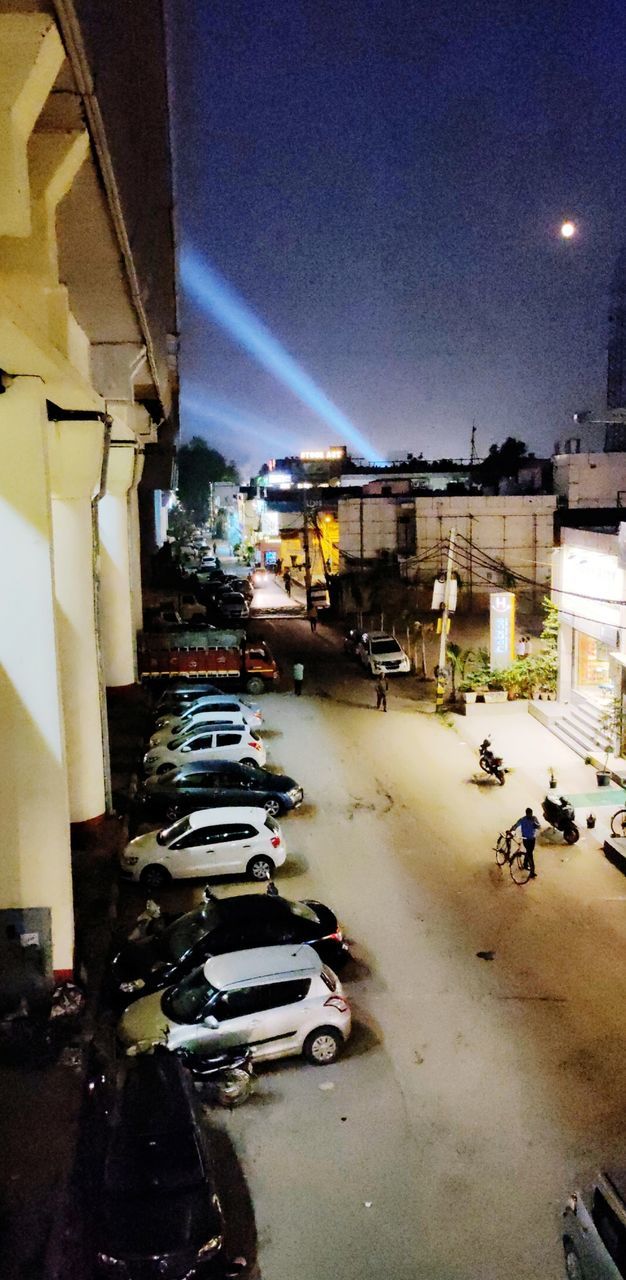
(591, 479)
(514, 531)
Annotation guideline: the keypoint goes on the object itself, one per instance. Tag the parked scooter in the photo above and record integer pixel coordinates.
(491, 764)
(561, 815)
(225, 1078)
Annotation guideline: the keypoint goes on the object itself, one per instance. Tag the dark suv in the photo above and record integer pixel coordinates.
(212, 784)
(155, 1205)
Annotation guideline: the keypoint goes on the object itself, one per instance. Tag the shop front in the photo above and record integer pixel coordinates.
(589, 587)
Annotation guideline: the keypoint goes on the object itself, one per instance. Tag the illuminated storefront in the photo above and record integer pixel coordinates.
(589, 587)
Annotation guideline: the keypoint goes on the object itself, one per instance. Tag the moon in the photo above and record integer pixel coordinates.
(568, 229)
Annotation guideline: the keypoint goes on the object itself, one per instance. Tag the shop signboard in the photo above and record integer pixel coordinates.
(501, 629)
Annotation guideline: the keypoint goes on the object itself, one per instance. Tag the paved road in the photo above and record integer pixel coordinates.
(477, 1088)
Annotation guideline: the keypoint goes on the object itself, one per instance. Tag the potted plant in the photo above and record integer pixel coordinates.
(610, 726)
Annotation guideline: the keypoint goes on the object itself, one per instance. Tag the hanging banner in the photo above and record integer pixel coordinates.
(439, 593)
(501, 629)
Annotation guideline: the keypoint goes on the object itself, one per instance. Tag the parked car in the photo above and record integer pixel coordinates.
(242, 585)
(206, 842)
(220, 925)
(231, 604)
(212, 784)
(207, 720)
(156, 1209)
(180, 694)
(380, 652)
(594, 1229)
(199, 712)
(226, 742)
(277, 1001)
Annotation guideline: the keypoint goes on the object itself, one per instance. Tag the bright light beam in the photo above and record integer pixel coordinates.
(219, 300)
(195, 402)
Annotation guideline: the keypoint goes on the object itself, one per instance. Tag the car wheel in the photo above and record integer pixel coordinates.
(155, 877)
(322, 1046)
(572, 1263)
(249, 760)
(260, 868)
(273, 807)
(255, 685)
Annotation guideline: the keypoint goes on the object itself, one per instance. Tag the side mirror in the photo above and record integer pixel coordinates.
(211, 1022)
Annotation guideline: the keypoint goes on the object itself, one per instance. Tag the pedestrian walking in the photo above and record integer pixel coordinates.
(312, 616)
(529, 826)
(215, 548)
(298, 678)
(287, 581)
(381, 691)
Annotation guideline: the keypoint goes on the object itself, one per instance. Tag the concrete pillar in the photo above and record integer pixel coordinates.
(34, 807)
(76, 452)
(135, 545)
(118, 635)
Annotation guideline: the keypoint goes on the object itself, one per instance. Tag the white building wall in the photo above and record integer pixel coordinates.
(514, 530)
(591, 479)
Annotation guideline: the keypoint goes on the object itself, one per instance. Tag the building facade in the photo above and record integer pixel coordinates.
(87, 401)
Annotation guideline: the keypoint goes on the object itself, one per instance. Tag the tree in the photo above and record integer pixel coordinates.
(503, 460)
(199, 467)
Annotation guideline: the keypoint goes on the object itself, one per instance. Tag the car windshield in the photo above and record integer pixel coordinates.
(183, 934)
(186, 1002)
(304, 912)
(386, 646)
(179, 828)
(153, 1162)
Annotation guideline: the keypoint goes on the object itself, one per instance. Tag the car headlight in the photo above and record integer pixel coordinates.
(129, 860)
(211, 1247)
(294, 793)
(137, 985)
(115, 1265)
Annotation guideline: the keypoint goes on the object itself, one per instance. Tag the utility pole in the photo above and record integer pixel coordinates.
(307, 549)
(473, 454)
(441, 669)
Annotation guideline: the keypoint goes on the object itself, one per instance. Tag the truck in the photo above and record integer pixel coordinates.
(227, 657)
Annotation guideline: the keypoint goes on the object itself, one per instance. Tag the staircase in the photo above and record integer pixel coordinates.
(579, 726)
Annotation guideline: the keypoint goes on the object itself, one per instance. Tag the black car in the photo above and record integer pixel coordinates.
(243, 585)
(206, 784)
(183, 695)
(156, 1210)
(220, 925)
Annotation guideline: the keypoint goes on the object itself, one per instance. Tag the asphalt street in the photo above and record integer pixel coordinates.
(487, 1068)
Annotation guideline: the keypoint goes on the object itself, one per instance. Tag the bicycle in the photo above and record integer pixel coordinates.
(509, 848)
(618, 823)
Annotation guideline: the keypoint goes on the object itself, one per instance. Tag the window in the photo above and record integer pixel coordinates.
(199, 744)
(610, 1229)
(271, 995)
(228, 739)
(198, 780)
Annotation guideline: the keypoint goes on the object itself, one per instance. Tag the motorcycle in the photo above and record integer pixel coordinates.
(491, 764)
(225, 1078)
(561, 815)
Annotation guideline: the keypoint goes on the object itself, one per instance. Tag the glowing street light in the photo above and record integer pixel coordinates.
(568, 229)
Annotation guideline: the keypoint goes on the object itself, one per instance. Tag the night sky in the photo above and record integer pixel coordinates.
(381, 183)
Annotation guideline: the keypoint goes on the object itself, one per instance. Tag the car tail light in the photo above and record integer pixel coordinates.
(337, 936)
(337, 1002)
(275, 841)
(256, 745)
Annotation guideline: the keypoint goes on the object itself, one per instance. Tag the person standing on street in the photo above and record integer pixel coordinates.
(382, 686)
(529, 826)
(298, 677)
(287, 581)
(312, 616)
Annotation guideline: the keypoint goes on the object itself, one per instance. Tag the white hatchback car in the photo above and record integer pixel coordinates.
(382, 653)
(219, 742)
(182, 726)
(202, 712)
(277, 1001)
(207, 842)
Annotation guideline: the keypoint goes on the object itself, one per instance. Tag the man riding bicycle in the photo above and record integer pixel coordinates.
(529, 826)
